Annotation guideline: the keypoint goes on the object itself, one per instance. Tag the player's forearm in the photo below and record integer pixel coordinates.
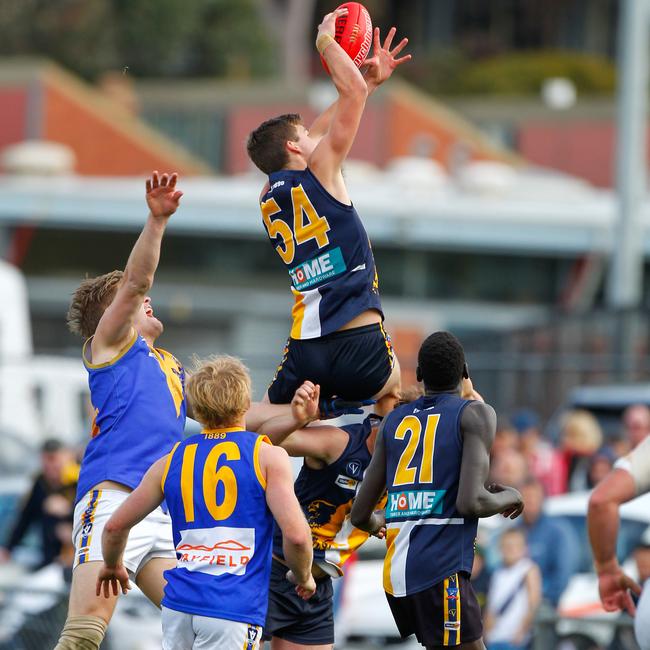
(368, 523)
(279, 428)
(143, 260)
(113, 544)
(320, 126)
(346, 76)
(484, 503)
(260, 413)
(298, 551)
(602, 525)
(615, 489)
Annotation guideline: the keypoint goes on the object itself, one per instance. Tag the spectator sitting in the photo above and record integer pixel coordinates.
(544, 461)
(581, 437)
(509, 468)
(514, 596)
(636, 423)
(505, 438)
(600, 465)
(50, 503)
(619, 443)
(552, 545)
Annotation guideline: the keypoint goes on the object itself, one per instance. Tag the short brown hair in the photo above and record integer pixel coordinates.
(89, 302)
(266, 145)
(219, 391)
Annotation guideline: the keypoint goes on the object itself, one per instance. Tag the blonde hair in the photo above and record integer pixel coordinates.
(89, 302)
(581, 432)
(219, 391)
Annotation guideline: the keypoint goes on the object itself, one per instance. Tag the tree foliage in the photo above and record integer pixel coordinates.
(159, 38)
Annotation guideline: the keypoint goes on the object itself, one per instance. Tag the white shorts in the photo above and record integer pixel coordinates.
(152, 537)
(642, 618)
(190, 632)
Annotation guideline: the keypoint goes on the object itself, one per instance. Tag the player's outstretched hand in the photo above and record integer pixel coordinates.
(614, 588)
(162, 195)
(304, 405)
(516, 506)
(469, 392)
(380, 66)
(108, 579)
(304, 589)
(328, 24)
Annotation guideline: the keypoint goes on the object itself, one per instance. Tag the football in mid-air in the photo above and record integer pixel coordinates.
(353, 32)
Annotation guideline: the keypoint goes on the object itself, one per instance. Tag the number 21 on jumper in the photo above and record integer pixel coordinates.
(405, 473)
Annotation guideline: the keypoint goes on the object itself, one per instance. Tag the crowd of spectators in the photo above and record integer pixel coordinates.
(526, 566)
(47, 508)
(537, 545)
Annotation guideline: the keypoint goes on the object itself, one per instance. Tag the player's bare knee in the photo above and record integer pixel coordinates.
(82, 633)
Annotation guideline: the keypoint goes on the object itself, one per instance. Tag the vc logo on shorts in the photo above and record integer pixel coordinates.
(251, 637)
(452, 593)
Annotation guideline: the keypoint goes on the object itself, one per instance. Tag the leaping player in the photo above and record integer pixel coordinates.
(337, 339)
(138, 394)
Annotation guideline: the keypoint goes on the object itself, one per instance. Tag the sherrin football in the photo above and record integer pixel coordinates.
(353, 32)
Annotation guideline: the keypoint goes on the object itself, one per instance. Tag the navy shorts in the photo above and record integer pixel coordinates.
(352, 364)
(308, 622)
(447, 614)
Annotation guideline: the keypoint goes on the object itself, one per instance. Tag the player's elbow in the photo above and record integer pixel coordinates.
(600, 500)
(470, 505)
(298, 536)
(358, 519)
(354, 88)
(113, 528)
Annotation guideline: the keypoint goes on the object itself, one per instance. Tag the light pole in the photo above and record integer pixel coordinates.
(625, 281)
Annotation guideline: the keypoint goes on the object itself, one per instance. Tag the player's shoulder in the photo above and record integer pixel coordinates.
(272, 455)
(477, 416)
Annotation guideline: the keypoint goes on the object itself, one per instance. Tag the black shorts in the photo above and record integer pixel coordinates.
(352, 364)
(308, 622)
(447, 614)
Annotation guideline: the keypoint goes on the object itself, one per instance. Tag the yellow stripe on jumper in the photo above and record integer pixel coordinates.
(297, 314)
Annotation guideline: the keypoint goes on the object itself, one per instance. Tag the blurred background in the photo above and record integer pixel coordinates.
(501, 177)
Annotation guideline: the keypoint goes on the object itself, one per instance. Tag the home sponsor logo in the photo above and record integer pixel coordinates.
(316, 270)
(415, 503)
(216, 550)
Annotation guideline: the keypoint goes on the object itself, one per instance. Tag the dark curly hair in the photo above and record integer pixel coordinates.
(441, 362)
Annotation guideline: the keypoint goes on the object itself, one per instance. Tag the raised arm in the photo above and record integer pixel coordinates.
(375, 71)
(143, 500)
(282, 501)
(363, 514)
(283, 419)
(475, 499)
(115, 327)
(326, 159)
